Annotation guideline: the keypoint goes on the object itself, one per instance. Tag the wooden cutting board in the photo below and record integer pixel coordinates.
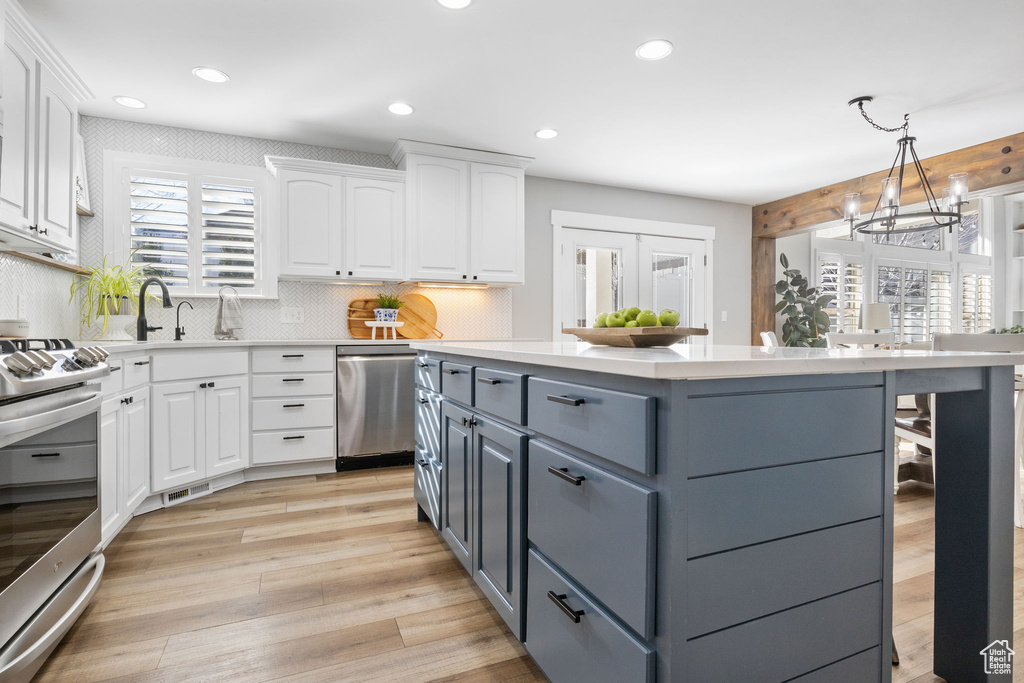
(418, 314)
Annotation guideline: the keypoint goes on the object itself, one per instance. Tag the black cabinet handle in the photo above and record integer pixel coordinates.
(469, 421)
(124, 401)
(203, 385)
(45, 455)
(450, 371)
(117, 369)
(293, 379)
(559, 600)
(421, 364)
(563, 473)
(44, 231)
(565, 400)
(293, 355)
(142, 362)
(33, 228)
(294, 405)
(422, 400)
(488, 380)
(211, 385)
(421, 463)
(289, 438)
(350, 273)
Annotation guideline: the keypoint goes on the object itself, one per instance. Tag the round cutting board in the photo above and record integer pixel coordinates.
(420, 317)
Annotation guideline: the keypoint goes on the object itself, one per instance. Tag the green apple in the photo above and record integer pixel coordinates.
(600, 322)
(647, 319)
(669, 318)
(615, 319)
(632, 323)
(632, 312)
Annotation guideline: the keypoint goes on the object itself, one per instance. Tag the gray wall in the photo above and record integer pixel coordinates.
(532, 305)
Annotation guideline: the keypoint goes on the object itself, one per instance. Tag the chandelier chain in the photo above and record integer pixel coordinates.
(904, 127)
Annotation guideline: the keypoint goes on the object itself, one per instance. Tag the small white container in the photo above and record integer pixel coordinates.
(14, 328)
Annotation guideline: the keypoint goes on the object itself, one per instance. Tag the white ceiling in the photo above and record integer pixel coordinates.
(750, 107)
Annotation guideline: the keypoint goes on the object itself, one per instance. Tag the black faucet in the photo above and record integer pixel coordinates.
(179, 331)
(142, 327)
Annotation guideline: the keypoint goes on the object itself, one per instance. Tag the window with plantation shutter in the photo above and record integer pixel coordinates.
(940, 301)
(843, 278)
(197, 225)
(920, 298)
(976, 301)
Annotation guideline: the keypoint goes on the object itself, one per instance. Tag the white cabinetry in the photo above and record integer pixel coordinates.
(339, 221)
(37, 170)
(464, 213)
(124, 458)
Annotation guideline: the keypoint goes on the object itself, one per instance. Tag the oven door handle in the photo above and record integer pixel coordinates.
(48, 419)
(25, 654)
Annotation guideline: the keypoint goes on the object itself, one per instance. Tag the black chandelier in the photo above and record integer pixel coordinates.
(886, 218)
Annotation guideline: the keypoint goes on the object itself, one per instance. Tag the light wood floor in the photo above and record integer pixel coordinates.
(331, 578)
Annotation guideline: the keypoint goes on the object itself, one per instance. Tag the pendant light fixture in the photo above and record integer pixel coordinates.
(886, 217)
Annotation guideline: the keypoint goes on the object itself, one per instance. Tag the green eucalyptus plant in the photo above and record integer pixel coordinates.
(109, 290)
(388, 301)
(806, 322)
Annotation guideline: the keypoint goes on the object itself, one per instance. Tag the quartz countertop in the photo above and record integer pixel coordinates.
(127, 347)
(700, 361)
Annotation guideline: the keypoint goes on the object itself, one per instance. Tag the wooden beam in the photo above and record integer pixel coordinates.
(762, 288)
(990, 164)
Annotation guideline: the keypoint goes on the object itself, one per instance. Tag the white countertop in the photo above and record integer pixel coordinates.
(126, 347)
(699, 361)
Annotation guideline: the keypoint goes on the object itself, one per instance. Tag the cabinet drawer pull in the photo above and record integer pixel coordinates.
(211, 385)
(450, 371)
(117, 369)
(293, 379)
(488, 380)
(294, 405)
(559, 600)
(45, 455)
(293, 355)
(565, 400)
(203, 385)
(290, 438)
(142, 362)
(420, 364)
(422, 400)
(563, 473)
(421, 463)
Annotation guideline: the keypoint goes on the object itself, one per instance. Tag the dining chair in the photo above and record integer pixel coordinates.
(769, 340)
(851, 340)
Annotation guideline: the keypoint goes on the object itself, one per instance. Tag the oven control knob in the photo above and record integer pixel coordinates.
(50, 361)
(17, 367)
(84, 358)
(41, 358)
(24, 364)
(100, 352)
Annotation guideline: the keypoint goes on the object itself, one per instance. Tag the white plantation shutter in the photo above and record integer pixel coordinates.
(940, 301)
(228, 235)
(159, 230)
(920, 298)
(844, 279)
(976, 301)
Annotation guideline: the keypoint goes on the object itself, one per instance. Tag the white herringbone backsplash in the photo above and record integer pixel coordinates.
(461, 313)
(44, 291)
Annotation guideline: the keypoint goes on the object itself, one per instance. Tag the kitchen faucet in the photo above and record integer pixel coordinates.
(179, 331)
(142, 327)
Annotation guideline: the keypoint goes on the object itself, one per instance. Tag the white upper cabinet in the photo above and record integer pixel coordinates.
(374, 228)
(339, 221)
(464, 213)
(37, 169)
(496, 226)
(437, 218)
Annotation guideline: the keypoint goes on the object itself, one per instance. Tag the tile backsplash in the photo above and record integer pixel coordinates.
(43, 292)
(461, 313)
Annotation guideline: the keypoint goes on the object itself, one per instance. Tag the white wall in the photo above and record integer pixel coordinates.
(532, 305)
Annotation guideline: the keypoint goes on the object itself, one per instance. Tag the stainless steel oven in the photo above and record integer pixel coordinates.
(50, 564)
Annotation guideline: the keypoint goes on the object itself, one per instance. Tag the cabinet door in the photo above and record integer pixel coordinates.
(17, 165)
(497, 234)
(498, 463)
(111, 503)
(55, 178)
(374, 228)
(135, 451)
(437, 214)
(457, 482)
(227, 426)
(179, 436)
(311, 223)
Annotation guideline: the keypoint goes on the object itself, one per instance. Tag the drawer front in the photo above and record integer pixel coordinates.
(733, 510)
(729, 588)
(294, 359)
(428, 372)
(292, 413)
(294, 445)
(601, 532)
(595, 650)
(500, 393)
(43, 464)
(427, 487)
(113, 384)
(790, 643)
(862, 668)
(457, 382)
(136, 371)
(182, 365)
(612, 424)
(761, 428)
(293, 384)
(428, 423)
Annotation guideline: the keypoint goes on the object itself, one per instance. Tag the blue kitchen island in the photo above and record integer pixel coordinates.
(714, 513)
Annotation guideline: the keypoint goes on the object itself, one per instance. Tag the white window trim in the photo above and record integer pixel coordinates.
(117, 211)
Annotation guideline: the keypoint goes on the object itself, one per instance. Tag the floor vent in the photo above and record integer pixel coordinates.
(175, 497)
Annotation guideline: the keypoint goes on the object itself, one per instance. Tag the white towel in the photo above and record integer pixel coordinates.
(229, 315)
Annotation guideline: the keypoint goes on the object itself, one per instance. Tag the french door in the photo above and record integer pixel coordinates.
(603, 271)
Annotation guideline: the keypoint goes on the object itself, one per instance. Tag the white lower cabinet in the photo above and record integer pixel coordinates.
(200, 430)
(124, 458)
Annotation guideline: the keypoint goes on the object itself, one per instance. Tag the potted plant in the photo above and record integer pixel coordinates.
(110, 293)
(387, 308)
(806, 322)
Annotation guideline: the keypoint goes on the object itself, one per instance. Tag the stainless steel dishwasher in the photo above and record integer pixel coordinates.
(375, 406)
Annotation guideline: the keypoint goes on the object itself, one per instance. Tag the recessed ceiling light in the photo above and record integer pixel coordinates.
(208, 73)
(546, 133)
(400, 108)
(130, 102)
(654, 49)
(455, 4)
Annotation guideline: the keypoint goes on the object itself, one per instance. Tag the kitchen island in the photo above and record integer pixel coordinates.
(714, 513)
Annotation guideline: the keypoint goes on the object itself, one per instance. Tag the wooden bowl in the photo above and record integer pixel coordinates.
(634, 337)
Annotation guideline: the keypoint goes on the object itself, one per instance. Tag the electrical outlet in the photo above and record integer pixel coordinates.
(293, 315)
(22, 307)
